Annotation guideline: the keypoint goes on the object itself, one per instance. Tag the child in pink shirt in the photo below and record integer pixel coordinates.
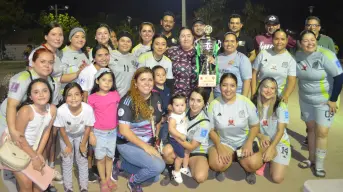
(104, 99)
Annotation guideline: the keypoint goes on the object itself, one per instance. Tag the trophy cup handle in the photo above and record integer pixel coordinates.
(219, 44)
(196, 42)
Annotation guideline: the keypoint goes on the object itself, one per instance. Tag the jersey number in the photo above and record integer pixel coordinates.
(328, 114)
(126, 68)
(284, 150)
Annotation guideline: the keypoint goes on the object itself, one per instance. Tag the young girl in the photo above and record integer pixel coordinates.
(104, 100)
(35, 115)
(74, 119)
(178, 131)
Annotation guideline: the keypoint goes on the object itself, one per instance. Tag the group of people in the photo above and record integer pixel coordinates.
(140, 111)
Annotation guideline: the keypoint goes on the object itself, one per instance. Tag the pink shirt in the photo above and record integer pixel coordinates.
(265, 41)
(105, 110)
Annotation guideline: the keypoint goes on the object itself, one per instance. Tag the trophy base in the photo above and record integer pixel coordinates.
(207, 81)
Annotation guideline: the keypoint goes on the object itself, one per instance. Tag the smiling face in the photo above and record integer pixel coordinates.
(40, 93)
(44, 63)
(167, 23)
(146, 34)
(268, 90)
(159, 46)
(55, 37)
(228, 88)
(235, 25)
(313, 25)
(280, 41)
(308, 43)
(102, 36)
(196, 102)
(102, 57)
(78, 40)
(186, 39)
(145, 83)
(230, 44)
(198, 29)
(271, 28)
(124, 45)
(74, 97)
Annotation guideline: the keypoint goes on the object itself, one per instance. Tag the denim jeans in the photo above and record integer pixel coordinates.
(144, 167)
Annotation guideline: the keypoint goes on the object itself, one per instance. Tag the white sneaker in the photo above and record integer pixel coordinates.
(186, 171)
(57, 176)
(177, 177)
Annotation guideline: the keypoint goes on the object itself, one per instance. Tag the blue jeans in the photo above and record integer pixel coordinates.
(144, 167)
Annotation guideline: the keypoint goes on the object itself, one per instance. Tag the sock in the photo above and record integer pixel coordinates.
(320, 157)
(52, 164)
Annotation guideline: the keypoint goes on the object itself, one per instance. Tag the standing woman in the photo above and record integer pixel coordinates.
(197, 137)
(146, 32)
(114, 39)
(232, 61)
(156, 57)
(124, 63)
(235, 126)
(102, 37)
(274, 117)
(320, 83)
(139, 111)
(183, 61)
(278, 63)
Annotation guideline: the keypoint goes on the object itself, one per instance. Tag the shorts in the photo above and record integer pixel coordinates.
(105, 143)
(198, 154)
(318, 113)
(283, 156)
(178, 148)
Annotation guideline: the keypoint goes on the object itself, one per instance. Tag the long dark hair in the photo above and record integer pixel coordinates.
(109, 33)
(97, 47)
(47, 28)
(155, 37)
(96, 86)
(204, 94)
(68, 87)
(28, 100)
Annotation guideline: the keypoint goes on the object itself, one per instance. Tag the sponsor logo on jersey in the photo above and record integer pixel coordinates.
(231, 62)
(219, 114)
(203, 133)
(75, 58)
(68, 123)
(265, 122)
(14, 87)
(241, 114)
(304, 67)
(285, 64)
(273, 67)
(264, 46)
(315, 65)
(121, 112)
(338, 64)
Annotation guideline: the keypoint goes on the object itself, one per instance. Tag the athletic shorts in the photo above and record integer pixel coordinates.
(318, 113)
(178, 148)
(105, 143)
(198, 154)
(283, 156)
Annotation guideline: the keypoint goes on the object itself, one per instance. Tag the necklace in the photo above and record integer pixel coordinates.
(158, 60)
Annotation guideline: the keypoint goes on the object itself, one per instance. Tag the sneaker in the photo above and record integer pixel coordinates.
(57, 176)
(91, 176)
(134, 188)
(250, 178)
(186, 171)
(220, 176)
(115, 171)
(177, 176)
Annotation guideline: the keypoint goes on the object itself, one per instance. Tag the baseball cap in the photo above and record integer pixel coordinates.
(272, 19)
(198, 20)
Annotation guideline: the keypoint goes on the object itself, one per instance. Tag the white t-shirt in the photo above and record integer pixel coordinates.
(181, 122)
(86, 78)
(148, 60)
(74, 125)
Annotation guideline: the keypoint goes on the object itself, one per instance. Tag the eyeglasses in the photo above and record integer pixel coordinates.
(312, 25)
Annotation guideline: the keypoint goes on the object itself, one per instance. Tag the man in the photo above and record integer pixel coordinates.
(312, 23)
(245, 43)
(198, 28)
(167, 23)
(265, 41)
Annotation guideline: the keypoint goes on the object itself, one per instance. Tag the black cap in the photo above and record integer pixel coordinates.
(125, 34)
(168, 13)
(198, 20)
(272, 20)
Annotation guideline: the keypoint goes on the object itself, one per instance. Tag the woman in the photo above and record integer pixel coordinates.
(276, 62)
(42, 67)
(139, 112)
(146, 32)
(123, 63)
(156, 57)
(232, 61)
(274, 117)
(320, 83)
(235, 126)
(183, 61)
(197, 137)
(114, 39)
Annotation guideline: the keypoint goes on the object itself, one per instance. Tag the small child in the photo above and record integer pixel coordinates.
(164, 91)
(104, 99)
(177, 125)
(74, 119)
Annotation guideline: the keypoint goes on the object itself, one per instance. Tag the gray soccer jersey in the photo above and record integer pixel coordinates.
(123, 67)
(232, 121)
(148, 60)
(139, 49)
(278, 66)
(236, 63)
(315, 72)
(200, 132)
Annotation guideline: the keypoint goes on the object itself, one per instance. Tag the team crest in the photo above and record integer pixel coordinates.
(265, 122)
(241, 114)
(285, 64)
(231, 122)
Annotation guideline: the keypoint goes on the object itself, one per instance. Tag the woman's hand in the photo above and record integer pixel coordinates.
(92, 139)
(284, 99)
(67, 151)
(38, 163)
(265, 141)
(17, 138)
(224, 156)
(269, 154)
(332, 107)
(211, 60)
(247, 149)
(152, 151)
(82, 66)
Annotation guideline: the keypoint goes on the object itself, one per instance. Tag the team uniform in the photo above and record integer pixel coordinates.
(75, 128)
(148, 60)
(123, 67)
(315, 73)
(265, 41)
(278, 66)
(269, 127)
(236, 63)
(323, 41)
(232, 121)
(181, 127)
(18, 86)
(91, 59)
(86, 78)
(198, 130)
(140, 49)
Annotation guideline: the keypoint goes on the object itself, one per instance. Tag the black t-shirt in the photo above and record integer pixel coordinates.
(245, 44)
(142, 128)
(172, 41)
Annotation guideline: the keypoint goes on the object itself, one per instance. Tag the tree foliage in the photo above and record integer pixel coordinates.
(11, 14)
(68, 22)
(254, 18)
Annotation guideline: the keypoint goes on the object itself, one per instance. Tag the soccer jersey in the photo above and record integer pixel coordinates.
(315, 72)
(140, 49)
(58, 66)
(326, 42)
(91, 59)
(198, 130)
(236, 63)
(86, 78)
(183, 69)
(148, 60)
(123, 67)
(232, 121)
(74, 125)
(141, 127)
(278, 66)
(269, 126)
